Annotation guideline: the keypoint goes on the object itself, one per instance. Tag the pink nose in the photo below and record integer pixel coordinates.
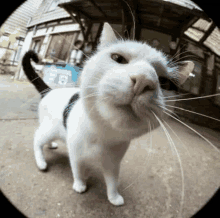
(142, 84)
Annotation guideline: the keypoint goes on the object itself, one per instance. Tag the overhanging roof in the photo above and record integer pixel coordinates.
(173, 17)
(167, 16)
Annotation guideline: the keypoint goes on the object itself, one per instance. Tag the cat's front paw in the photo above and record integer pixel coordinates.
(79, 186)
(117, 200)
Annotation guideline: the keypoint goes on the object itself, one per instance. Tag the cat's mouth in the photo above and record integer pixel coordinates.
(139, 109)
(128, 109)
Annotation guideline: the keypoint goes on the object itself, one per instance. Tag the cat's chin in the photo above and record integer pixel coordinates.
(134, 121)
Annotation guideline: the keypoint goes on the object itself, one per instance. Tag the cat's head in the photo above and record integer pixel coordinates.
(120, 82)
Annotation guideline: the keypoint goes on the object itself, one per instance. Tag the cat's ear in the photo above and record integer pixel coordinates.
(107, 36)
(184, 70)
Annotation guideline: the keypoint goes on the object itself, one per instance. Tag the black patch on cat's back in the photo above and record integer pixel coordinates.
(69, 106)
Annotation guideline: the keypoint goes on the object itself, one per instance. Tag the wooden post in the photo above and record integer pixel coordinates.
(97, 36)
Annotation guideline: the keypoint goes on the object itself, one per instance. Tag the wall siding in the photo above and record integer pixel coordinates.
(42, 15)
(20, 17)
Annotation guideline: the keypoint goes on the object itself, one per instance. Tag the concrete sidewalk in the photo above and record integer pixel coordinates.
(151, 181)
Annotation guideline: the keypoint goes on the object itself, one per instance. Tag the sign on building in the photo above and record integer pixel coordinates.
(65, 75)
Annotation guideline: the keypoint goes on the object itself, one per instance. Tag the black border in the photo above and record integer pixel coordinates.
(211, 8)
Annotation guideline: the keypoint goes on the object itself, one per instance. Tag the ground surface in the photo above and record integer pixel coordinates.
(150, 178)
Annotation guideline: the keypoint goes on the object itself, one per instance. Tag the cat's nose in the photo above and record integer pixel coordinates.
(142, 84)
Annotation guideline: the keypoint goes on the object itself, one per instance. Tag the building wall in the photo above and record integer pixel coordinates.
(19, 19)
(47, 34)
(42, 15)
(25, 47)
(13, 32)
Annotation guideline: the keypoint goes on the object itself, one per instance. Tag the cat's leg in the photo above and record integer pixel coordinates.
(111, 159)
(78, 166)
(41, 138)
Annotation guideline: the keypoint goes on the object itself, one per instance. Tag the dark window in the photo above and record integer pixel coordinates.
(36, 44)
(60, 46)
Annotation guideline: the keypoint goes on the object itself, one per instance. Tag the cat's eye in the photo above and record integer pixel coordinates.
(119, 59)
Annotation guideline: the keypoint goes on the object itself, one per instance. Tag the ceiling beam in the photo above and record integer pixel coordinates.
(208, 33)
(81, 25)
(126, 21)
(71, 15)
(97, 36)
(199, 29)
(161, 15)
(76, 9)
(77, 20)
(188, 25)
(99, 8)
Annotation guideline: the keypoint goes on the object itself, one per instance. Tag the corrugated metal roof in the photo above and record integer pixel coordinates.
(212, 41)
(21, 16)
(194, 34)
(203, 25)
(43, 16)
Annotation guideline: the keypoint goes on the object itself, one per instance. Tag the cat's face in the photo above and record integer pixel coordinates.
(124, 78)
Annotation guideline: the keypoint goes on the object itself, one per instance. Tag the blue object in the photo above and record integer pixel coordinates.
(61, 74)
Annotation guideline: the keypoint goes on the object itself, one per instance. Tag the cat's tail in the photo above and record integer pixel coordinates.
(32, 76)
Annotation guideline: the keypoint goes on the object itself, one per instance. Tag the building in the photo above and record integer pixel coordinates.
(13, 32)
(51, 33)
(177, 27)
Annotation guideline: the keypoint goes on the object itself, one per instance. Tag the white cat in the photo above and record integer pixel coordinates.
(118, 99)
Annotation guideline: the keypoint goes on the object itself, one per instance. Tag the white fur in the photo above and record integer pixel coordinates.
(112, 110)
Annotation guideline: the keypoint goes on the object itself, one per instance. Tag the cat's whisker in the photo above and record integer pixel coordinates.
(132, 17)
(177, 137)
(151, 144)
(175, 96)
(178, 61)
(97, 102)
(188, 51)
(91, 95)
(178, 54)
(90, 87)
(146, 160)
(96, 78)
(194, 112)
(181, 53)
(161, 124)
(118, 34)
(70, 105)
(186, 99)
(91, 109)
(45, 91)
(164, 108)
(179, 159)
(193, 131)
(35, 79)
